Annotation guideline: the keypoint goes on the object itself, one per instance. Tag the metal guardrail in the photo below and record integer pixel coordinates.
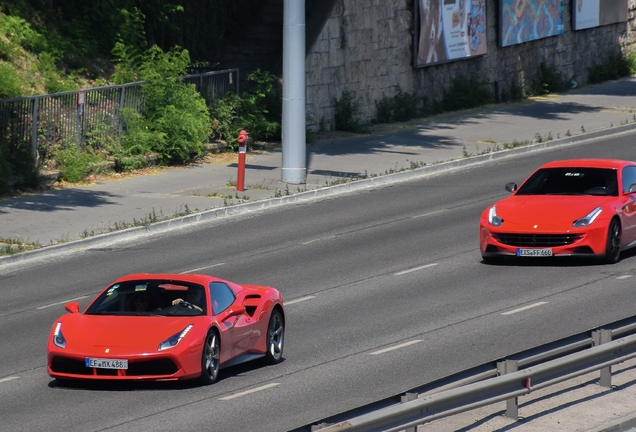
(71, 116)
(503, 380)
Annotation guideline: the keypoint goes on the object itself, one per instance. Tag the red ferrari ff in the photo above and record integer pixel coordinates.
(581, 207)
(167, 327)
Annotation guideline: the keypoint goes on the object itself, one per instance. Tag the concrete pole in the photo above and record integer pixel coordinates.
(294, 169)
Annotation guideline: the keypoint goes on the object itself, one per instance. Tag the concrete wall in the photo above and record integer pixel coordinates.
(366, 46)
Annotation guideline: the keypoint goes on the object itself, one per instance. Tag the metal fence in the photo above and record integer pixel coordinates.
(75, 115)
(506, 380)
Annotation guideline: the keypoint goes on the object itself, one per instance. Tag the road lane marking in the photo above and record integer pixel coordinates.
(624, 277)
(298, 300)
(524, 308)
(429, 213)
(395, 347)
(235, 395)
(415, 269)
(62, 302)
(8, 379)
(202, 268)
(318, 239)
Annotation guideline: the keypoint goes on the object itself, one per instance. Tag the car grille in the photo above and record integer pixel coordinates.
(536, 240)
(141, 368)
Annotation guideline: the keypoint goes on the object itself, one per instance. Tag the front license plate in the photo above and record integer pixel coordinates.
(106, 363)
(534, 252)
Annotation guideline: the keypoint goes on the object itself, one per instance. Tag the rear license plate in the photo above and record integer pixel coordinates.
(106, 363)
(534, 252)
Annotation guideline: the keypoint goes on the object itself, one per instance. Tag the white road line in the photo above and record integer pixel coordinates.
(524, 308)
(298, 300)
(202, 268)
(624, 277)
(318, 239)
(8, 379)
(415, 269)
(395, 347)
(249, 391)
(429, 213)
(62, 302)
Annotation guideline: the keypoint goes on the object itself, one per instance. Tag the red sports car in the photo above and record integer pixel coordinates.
(581, 207)
(167, 327)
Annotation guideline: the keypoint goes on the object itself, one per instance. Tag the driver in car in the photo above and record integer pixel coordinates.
(194, 299)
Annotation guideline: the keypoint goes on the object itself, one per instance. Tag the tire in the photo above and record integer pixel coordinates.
(275, 338)
(210, 359)
(613, 243)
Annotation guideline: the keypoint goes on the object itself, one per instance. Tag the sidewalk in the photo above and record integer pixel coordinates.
(72, 213)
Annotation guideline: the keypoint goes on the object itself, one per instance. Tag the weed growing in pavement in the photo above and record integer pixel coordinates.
(231, 183)
(516, 144)
(568, 133)
(277, 193)
(582, 128)
(10, 246)
(260, 186)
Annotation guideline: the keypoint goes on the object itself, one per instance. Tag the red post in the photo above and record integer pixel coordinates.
(240, 178)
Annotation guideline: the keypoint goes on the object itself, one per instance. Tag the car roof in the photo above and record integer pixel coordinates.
(588, 163)
(192, 278)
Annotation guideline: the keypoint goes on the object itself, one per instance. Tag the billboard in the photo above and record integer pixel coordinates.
(449, 30)
(595, 13)
(527, 20)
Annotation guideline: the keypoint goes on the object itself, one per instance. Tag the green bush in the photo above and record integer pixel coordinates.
(549, 80)
(17, 166)
(176, 122)
(75, 164)
(616, 66)
(258, 110)
(466, 93)
(348, 113)
(403, 106)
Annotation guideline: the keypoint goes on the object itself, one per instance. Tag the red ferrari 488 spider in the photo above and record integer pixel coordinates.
(581, 207)
(167, 327)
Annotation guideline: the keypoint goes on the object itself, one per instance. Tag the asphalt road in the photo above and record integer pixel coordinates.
(384, 291)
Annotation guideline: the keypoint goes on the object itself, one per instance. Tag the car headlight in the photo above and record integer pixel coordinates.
(173, 340)
(587, 219)
(58, 336)
(493, 219)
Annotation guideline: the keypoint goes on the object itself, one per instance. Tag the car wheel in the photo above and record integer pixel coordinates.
(210, 358)
(613, 245)
(275, 338)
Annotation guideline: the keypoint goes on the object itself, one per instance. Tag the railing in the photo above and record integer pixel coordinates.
(504, 380)
(71, 116)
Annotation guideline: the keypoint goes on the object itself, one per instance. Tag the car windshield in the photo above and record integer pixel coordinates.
(571, 181)
(151, 298)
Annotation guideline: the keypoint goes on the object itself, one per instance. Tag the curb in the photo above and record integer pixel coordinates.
(301, 197)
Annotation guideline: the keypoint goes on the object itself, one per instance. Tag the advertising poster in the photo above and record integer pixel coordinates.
(527, 20)
(450, 30)
(595, 13)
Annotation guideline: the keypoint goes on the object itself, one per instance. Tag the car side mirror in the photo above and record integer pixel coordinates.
(632, 188)
(72, 307)
(511, 187)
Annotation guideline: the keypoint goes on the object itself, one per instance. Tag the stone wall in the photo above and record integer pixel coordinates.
(366, 47)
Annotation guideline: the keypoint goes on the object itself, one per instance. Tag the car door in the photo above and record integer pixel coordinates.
(235, 333)
(628, 213)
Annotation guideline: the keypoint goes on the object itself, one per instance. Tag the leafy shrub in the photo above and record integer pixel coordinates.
(176, 121)
(549, 80)
(466, 93)
(348, 113)
(17, 166)
(514, 94)
(257, 111)
(616, 66)
(403, 106)
(74, 164)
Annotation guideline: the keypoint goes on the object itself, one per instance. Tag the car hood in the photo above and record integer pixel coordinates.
(119, 333)
(548, 211)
